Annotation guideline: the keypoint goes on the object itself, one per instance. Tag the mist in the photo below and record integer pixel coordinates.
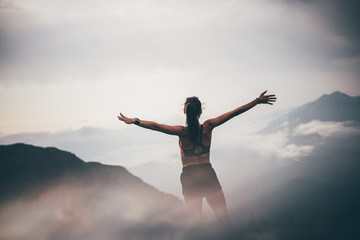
(70, 212)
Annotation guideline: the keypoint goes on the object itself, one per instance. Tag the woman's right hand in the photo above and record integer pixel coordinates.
(268, 99)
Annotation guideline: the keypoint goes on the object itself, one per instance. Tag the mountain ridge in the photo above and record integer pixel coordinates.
(27, 169)
(334, 107)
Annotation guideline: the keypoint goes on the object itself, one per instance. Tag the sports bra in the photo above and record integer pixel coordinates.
(191, 152)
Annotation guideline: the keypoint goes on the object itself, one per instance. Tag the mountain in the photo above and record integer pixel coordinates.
(317, 197)
(335, 107)
(27, 169)
(313, 196)
(55, 194)
(304, 195)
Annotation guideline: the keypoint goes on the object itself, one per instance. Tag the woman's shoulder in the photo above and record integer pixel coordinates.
(208, 124)
(184, 131)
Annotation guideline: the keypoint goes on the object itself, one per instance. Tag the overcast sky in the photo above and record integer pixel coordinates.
(69, 64)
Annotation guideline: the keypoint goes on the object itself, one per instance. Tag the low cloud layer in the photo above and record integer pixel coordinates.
(284, 144)
(276, 145)
(77, 212)
(327, 129)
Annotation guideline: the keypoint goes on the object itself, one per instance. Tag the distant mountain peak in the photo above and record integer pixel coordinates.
(334, 107)
(336, 96)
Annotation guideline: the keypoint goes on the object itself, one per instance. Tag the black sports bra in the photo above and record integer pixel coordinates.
(191, 152)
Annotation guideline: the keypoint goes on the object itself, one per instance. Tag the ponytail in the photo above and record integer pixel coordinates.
(193, 108)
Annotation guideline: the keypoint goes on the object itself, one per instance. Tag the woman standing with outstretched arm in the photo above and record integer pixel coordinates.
(198, 178)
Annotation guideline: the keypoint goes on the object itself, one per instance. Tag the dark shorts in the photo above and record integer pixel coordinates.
(199, 180)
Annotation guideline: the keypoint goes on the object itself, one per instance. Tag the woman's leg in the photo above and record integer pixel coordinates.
(218, 204)
(194, 207)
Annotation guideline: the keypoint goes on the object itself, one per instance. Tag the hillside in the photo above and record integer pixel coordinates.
(315, 195)
(28, 169)
(54, 188)
(335, 107)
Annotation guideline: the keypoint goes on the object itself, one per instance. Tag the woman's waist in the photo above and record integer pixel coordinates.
(192, 161)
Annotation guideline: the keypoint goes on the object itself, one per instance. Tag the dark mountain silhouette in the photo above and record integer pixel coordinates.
(317, 197)
(314, 197)
(70, 196)
(335, 107)
(26, 169)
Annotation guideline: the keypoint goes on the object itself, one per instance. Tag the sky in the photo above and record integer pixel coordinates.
(66, 65)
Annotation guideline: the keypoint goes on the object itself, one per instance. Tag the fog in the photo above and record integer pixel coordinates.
(70, 211)
(74, 211)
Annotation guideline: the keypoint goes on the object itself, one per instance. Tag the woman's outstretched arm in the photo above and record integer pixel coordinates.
(172, 130)
(267, 99)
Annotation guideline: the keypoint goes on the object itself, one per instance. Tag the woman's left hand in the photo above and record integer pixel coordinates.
(126, 119)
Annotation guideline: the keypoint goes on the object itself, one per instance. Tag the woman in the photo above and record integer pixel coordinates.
(198, 178)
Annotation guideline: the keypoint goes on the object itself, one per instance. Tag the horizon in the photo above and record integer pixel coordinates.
(153, 156)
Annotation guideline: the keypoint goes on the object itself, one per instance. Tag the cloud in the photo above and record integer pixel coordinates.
(295, 144)
(327, 129)
(69, 211)
(295, 141)
(83, 58)
(276, 145)
(8, 5)
(342, 18)
(288, 143)
(342, 15)
(294, 151)
(62, 41)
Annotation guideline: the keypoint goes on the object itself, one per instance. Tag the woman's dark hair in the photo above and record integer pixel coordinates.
(193, 109)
